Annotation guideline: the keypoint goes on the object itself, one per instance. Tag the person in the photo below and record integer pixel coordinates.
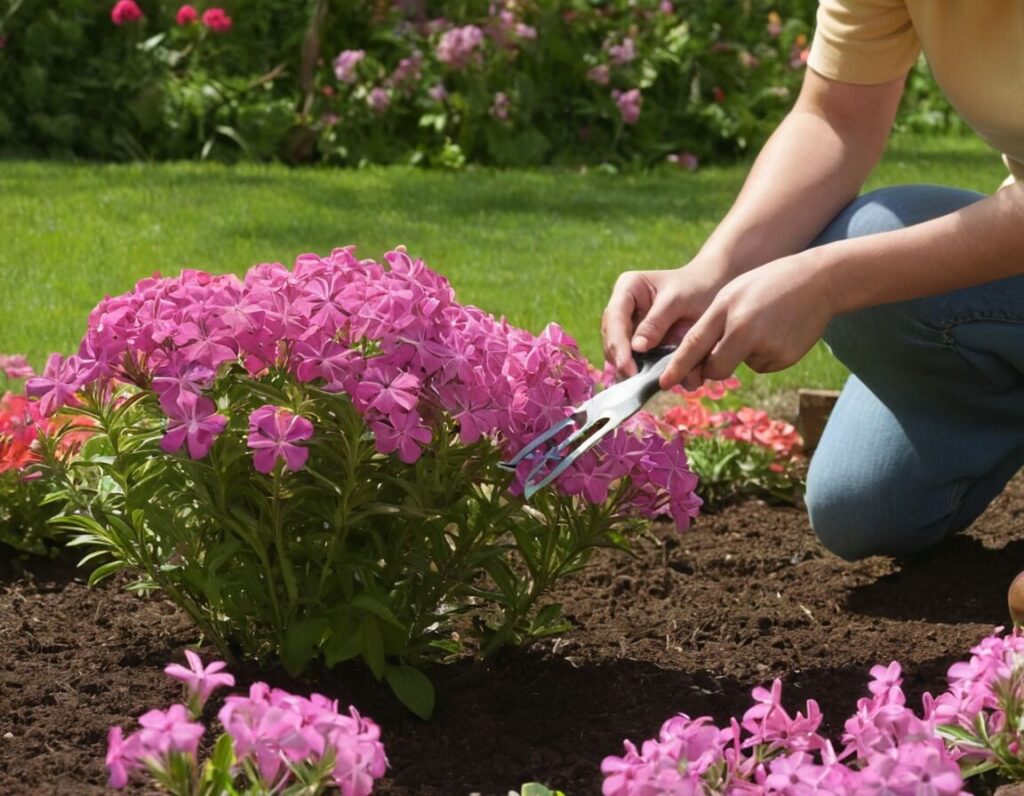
(917, 289)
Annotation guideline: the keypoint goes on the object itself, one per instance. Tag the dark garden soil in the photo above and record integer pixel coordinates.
(690, 624)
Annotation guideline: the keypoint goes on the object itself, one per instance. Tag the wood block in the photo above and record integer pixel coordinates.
(814, 408)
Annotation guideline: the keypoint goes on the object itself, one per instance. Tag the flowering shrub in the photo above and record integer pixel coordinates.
(736, 450)
(972, 728)
(307, 462)
(24, 510)
(510, 82)
(273, 742)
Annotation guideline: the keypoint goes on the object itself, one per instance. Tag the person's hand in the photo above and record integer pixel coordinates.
(768, 317)
(648, 308)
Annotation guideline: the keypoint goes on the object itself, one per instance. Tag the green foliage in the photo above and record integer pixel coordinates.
(729, 469)
(356, 556)
(715, 79)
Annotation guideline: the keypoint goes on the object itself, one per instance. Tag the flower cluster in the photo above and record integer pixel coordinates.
(887, 749)
(125, 12)
(20, 425)
(275, 739)
(391, 338)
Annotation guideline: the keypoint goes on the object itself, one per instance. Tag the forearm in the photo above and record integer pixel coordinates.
(812, 166)
(980, 243)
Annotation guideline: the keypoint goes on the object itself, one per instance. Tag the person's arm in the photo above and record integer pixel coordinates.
(770, 316)
(813, 165)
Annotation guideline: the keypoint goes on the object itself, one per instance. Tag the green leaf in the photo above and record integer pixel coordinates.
(105, 571)
(377, 608)
(536, 789)
(413, 689)
(301, 642)
(371, 645)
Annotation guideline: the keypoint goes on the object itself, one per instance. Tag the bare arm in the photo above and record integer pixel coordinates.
(813, 165)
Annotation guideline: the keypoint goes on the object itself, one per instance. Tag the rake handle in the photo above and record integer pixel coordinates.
(651, 365)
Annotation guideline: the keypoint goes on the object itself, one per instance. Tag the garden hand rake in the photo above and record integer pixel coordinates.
(592, 420)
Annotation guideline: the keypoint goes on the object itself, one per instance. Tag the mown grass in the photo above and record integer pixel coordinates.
(535, 246)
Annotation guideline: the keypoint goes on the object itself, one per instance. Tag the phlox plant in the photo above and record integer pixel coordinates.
(273, 742)
(306, 461)
(973, 728)
(736, 450)
(24, 509)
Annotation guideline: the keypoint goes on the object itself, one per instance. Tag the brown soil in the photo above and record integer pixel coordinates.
(689, 624)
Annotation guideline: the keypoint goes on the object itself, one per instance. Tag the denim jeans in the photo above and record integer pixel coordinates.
(930, 425)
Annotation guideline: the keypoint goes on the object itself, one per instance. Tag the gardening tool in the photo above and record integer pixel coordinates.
(591, 420)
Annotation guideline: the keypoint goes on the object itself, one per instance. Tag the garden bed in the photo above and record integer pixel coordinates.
(690, 624)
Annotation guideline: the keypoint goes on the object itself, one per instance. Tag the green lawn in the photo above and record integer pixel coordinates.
(535, 246)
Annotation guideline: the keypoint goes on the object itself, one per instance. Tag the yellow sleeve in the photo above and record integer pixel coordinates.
(863, 41)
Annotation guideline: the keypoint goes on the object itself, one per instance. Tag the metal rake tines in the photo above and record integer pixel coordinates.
(593, 420)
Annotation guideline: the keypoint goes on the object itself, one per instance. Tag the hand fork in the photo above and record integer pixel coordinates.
(594, 419)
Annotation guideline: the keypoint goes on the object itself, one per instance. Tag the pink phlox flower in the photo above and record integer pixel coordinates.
(334, 363)
(629, 104)
(379, 100)
(125, 11)
(177, 374)
(797, 774)
(205, 345)
(57, 385)
(275, 434)
(697, 741)
(326, 312)
(914, 769)
(166, 731)
(192, 418)
(15, 366)
(623, 53)
(289, 315)
(187, 15)
(200, 680)
(886, 678)
(472, 411)
(387, 392)
(629, 775)
(768, 722)
(599, 74)
(217, 20)
(402, 432)
(238, 312)
(459, 47)
(345, 65)
(122, 756)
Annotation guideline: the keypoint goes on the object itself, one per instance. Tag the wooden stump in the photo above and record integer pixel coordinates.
(814, 408)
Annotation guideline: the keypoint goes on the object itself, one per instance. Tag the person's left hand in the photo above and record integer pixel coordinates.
(768, 317)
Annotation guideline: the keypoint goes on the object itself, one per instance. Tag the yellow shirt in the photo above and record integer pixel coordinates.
(975, 49)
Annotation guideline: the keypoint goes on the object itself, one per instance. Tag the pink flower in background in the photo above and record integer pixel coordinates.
(666, 7)
(438, 93)
(187, 15)
(526, 32)
(345, 65)
(599, 74)
(125, 11)
(15, 366)
(217, 20)
(500, 106)
(192, 419)
(629, 103)
(458, 46)
(379, 100)
(275, 434)
(409, 70)
(201, 681)
(774, 26)
(685, 160)
(622, 53)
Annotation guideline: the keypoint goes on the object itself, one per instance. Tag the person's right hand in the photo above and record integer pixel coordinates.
(650, 308)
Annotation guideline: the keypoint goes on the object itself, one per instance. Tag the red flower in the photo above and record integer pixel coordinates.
(125, 11)
(717, 94)
(217, 20)
(187, 15)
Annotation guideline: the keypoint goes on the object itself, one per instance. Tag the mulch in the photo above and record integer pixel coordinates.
(689, 623)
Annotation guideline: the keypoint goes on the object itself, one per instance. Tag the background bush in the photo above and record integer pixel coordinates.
(714, 78)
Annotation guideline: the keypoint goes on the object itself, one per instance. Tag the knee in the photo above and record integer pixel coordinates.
(857, 523)
(841, 522)
(892, 208)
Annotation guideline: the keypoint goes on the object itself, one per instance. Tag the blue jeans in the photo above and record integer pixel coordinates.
(930, 425)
